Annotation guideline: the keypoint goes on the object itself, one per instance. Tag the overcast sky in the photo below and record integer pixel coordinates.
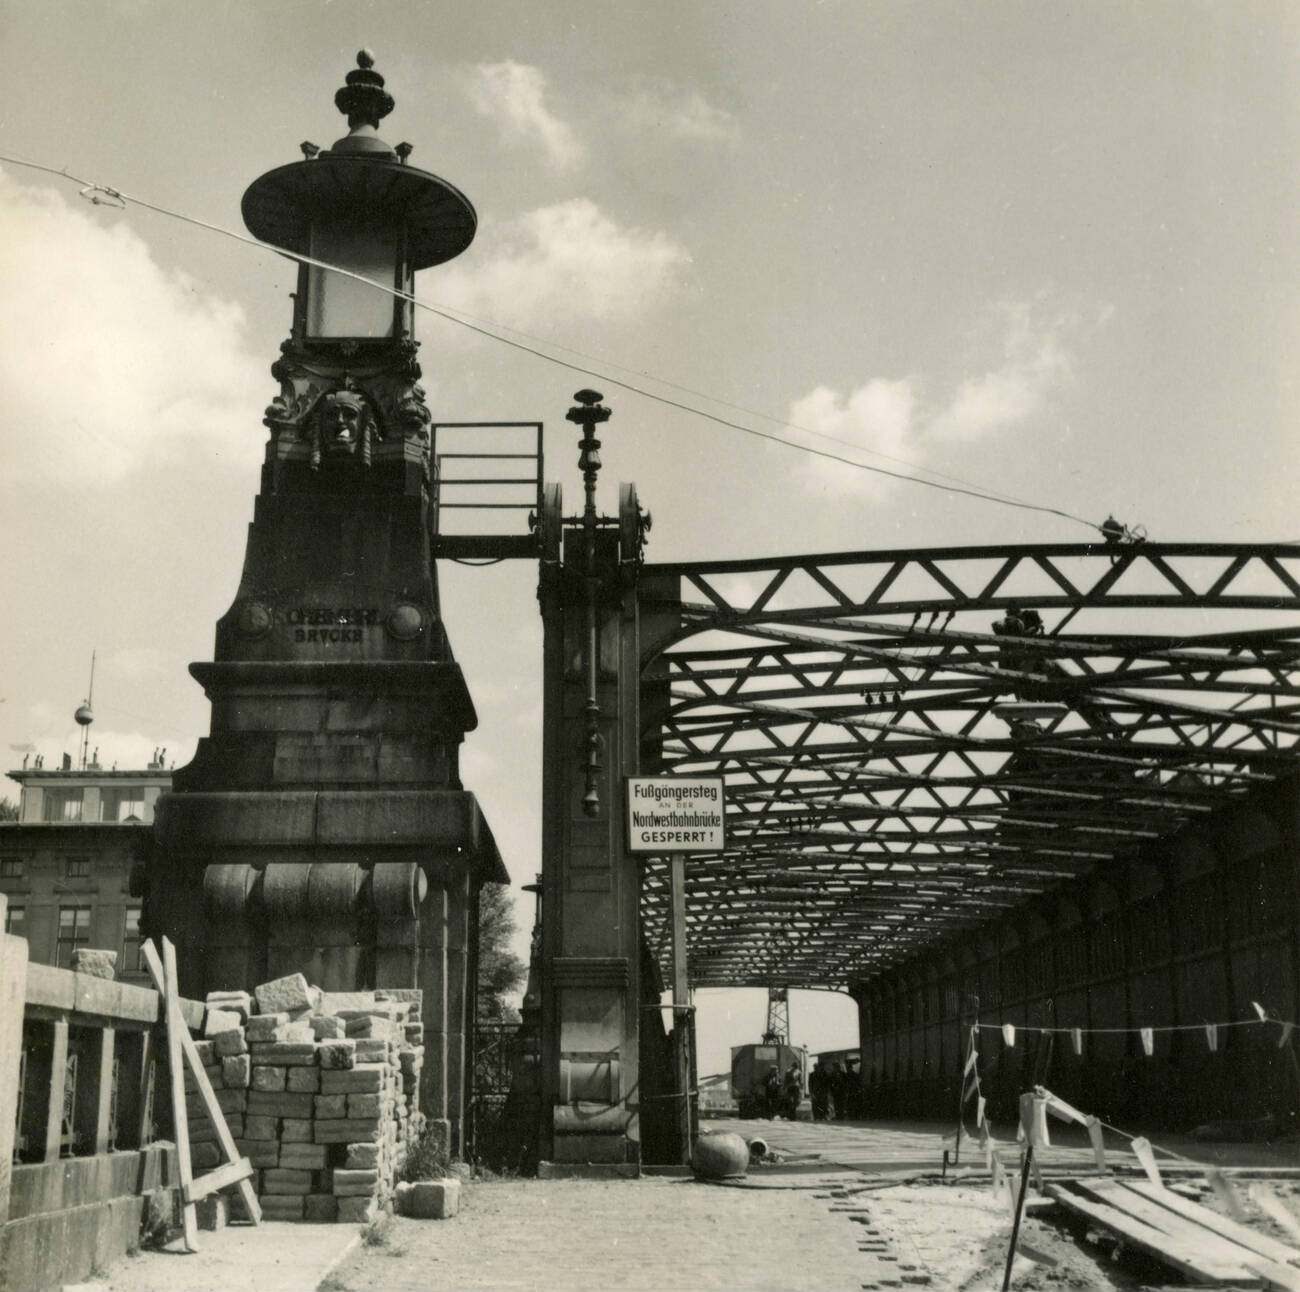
(1045, 248)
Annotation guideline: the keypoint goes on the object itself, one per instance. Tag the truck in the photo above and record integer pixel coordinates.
(750, 1065)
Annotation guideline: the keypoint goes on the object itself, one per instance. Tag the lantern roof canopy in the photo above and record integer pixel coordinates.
(361, 179)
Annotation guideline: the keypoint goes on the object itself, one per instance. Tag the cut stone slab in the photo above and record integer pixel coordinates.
(356, 1210)
(94, 962)
(284, 994)
(238, 1001)
(328, 1028)
(301, 1079)
(268, 1079)
(340, 1054)
(261, 1027)
(212, 1212)
(235, 1070)
(362, 1157)
(217, 1021)
(429, 1199)
(229, 1043)
(320, 1207)
(333, 1001)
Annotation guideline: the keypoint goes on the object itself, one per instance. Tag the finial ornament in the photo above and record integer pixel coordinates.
(363, 100)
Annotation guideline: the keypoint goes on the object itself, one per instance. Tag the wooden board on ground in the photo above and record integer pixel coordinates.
(1242, 1235)
(1206, 1261)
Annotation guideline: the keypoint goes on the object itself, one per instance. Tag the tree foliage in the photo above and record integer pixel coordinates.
(8, 810)
(500, 972)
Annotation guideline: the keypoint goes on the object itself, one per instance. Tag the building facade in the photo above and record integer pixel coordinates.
(65, 864)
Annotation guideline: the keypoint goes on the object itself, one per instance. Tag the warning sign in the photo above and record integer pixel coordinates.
(675, 814)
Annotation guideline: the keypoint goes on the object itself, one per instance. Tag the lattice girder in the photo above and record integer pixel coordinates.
(897, 768)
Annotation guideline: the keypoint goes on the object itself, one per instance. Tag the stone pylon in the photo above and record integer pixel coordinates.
(322, 826)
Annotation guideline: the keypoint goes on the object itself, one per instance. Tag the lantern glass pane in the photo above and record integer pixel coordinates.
(342, 307)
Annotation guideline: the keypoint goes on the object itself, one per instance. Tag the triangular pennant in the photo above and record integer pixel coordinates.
(1285, 1038)
(1212, 1036)
(1260, 1010)
(970, 1063)
(979, 1110)
(1076, 1039)
(1148, 1040)
(1009, 1034)
(998, 1175)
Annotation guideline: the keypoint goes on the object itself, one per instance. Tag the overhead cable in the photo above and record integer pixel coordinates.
(102, 194)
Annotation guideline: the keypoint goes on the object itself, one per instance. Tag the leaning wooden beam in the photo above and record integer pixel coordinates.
(236, 1170)
(166, 984)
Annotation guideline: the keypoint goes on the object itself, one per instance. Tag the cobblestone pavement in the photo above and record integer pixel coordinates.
(647, 1235)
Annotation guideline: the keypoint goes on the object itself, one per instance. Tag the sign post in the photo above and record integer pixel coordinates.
(674, 815)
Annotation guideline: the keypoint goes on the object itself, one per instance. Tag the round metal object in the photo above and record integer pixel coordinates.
(405, 622)
(439, 219)
(84, 715)
(253, 619)
(720, 1156)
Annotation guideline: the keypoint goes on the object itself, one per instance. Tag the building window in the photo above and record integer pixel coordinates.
(16, 921)
(77, 867)
(122, 803)
(11, 867)
(61, 805)
(131, 940)
(74, 932)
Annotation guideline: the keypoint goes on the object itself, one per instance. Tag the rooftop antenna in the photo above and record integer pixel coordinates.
(85, 715)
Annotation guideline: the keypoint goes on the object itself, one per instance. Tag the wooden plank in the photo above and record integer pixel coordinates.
(13, 992)
(1242, 1235)
(166, 982)
(56, 1085)
(146, 1085)
(223, 1176)
(203, 1085)
(1154, 1242)
(94, 1091)
(1188, 1234)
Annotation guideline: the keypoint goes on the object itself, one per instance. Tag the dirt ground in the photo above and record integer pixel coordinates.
(960, 1235)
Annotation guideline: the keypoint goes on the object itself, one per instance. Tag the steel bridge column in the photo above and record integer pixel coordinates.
(590, 883)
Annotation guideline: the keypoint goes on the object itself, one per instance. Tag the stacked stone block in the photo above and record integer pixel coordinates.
(320, 1091)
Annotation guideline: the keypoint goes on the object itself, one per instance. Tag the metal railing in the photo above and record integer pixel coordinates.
(459, 487)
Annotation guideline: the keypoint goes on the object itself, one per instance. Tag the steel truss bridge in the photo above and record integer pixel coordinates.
(896, 770)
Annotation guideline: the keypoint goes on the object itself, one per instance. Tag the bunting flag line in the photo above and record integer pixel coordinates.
(1009, 1030)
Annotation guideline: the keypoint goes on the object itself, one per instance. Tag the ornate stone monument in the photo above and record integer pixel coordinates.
(322, 826)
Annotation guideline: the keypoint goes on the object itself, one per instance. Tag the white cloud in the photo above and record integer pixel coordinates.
(1034, 364)
(514, 96)
(681, 114)
(890, 418)
(109, 361)
(875, 418)
(565, 262)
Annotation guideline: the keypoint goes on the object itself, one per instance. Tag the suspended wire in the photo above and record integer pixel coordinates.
(740, 408)
(102, 194)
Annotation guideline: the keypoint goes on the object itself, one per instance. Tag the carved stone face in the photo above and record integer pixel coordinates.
(340, 427)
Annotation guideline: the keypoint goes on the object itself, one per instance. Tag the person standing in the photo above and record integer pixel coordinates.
(819, 1089)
